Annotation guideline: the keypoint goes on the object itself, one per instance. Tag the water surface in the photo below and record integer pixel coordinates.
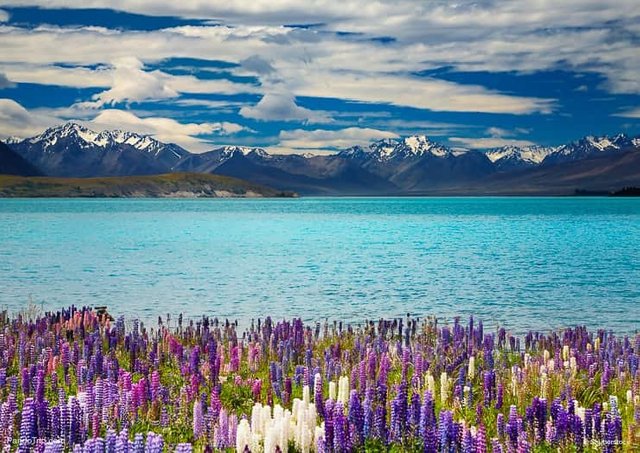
(520, 262)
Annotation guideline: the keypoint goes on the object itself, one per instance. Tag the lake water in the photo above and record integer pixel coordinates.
(519, 262)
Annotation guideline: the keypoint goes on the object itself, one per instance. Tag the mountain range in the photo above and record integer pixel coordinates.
(413, 165)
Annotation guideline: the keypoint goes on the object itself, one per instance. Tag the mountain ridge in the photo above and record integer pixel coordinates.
(390, 166)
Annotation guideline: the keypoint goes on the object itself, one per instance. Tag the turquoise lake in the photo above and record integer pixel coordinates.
(525, 263)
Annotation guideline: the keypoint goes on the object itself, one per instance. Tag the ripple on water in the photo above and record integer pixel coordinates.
(527, 263)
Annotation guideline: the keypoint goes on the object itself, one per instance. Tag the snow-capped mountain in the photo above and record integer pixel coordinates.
(408, 165)
(590, 146)
(75, 150)
(390, 149)
(511, 157)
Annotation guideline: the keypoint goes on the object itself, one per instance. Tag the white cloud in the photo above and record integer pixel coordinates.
(324, 139)
(131, 83)
(164, 129)
(16, 121)
(283, 107)
(5, 82)
(523, 36)
(497, 137)
(489, 142)
(631, 113)
(332, 69)
(432, 94)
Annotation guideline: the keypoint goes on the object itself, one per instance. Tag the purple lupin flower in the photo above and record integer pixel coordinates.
(413, 418)
(328, 423)
(317, 395)
(467, 441)
(523, 445)
(499, 396)
(588, 424)
(427, 416)
(356, 418)
(111, 440)
(481, 440)
(198, 419)
(368, 425)
(380, 423)
(341, 429)
(138, 443)
(500, 426)
(512, 426)
(27, 426)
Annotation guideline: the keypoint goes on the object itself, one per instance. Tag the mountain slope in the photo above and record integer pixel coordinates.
(409, 165)
(346, 180)
(12, 163)
(509, 158)
(600, 173)
(72, 150)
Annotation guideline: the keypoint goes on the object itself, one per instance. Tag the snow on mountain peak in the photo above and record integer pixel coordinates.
(88, 138)
(533, 154)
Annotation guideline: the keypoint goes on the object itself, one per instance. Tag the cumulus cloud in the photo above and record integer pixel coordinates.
(187, 135)
(16, 121)
(497, 137)
(630, 113)
(431, 94)
(5, 82)
(131, 83)
(257, 65)
(489, 142)
(327, 140)
(586, 36)
(283, 107)
(333, 69)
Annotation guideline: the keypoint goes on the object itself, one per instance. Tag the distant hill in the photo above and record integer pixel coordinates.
(72, 150)
(174, 185)
(411, 165)
(604, 173)
(12, 163)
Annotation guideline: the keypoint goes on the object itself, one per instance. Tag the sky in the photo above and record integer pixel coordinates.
(322, 75)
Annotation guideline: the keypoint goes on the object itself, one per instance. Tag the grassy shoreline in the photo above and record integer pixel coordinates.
(171, 185)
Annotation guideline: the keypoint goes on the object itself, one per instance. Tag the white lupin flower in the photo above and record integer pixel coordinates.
(243, 436)
(431, 384)
(343, 390)
(565, 352)
(332, 390)
(544, 384)
(306, 394)
(444, 387)
(580, 411)
(472, 367)
(274, 428)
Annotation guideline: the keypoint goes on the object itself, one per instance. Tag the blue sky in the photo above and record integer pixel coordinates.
(321, 75)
